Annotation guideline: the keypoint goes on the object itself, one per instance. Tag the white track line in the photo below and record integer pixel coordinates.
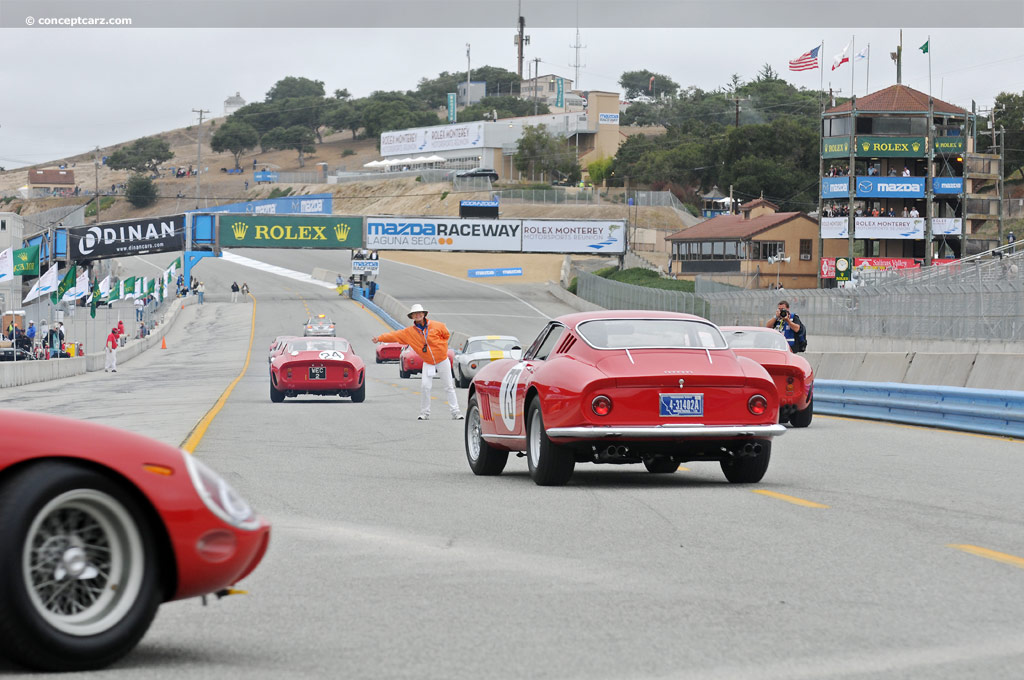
(274, 269)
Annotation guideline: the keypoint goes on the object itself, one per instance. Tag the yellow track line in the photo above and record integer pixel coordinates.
(790, 499)
(990, 554)
(197, 433)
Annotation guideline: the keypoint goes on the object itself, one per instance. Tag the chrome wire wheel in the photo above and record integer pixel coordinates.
(83, 562)
(534, 438)
(473, 434)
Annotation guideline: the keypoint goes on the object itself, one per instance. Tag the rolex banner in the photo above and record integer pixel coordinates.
(127, 237)
(290, 231)
(26, 261)
(890, 147)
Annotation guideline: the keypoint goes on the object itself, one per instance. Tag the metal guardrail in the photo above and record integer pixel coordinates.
(359, 295)
(995, 412)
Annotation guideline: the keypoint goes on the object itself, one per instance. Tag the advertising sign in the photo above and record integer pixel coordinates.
(484, 273)
(835, 227)
(451, 107)
(948, 185)
(949, 145)
(843, 269)
(290, 231)
(835, 187)
(889, 227)
(608, 118)
(946, 226)
(127, 237)
(828, 267)
(890, 147)
(313, 204)
(574, 236)
(890, 187)
(366, 267)
(430, 139)
(560, 93)
(264, 176)
(443, 233)
(835, 148)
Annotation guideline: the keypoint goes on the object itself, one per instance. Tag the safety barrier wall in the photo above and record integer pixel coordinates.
(998, 412)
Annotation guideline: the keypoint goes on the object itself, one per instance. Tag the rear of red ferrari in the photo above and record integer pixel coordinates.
(389, 351)
(307, 372)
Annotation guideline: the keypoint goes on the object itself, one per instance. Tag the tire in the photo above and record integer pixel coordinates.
(276, 395)
(359, 396)
(460, 380)
(803, 418)
(748, 469)
(660, 466)
(483, 458)
(550, 464)
(377, 359)
(402, 373)
(73, 526)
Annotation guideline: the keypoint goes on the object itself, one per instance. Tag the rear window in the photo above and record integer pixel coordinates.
(638, 333)
(766, 339)
(319, 345)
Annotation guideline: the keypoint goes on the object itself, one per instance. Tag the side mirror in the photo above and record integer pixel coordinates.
(517, 353)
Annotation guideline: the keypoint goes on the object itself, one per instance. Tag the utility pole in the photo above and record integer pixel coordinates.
(521, 39)
(577, 46)
(467, 75)
(96, 167)
(536, 83)
(737, 101)
(199, 152)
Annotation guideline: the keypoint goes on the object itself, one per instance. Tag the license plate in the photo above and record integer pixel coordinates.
(674, 405)
(318, 373)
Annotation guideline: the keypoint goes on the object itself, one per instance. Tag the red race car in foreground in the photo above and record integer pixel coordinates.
(321, 366)
(388, 351)
(793, 375)
(98, 527)
(410, 363)
(657, 388)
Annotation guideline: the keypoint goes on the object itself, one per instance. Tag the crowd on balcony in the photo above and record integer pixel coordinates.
(837, 210)
(834, 171)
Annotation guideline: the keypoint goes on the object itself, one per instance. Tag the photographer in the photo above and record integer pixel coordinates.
(787, 324)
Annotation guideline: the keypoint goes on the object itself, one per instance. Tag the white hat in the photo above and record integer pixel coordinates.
(416, 308)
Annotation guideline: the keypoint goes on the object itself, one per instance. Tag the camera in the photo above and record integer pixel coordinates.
(783, 313)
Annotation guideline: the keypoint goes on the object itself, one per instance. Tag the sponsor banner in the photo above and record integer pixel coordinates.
(443, 233)
(948, 185)
(313, 204)
(890, 187)
(946, 226)
(560, 94)
(483, 273)
(574, 236)
(264, 176)
(889, 227)
(127, 237)
(949, 144)
(835, 187)
(835, 227)
(881, 263)
(835, 148)
(890, 147)
(25, 261)
(478, 204)
(365, 266)
(290, 231)
(608, 118)
(451, 107)
(843, 269)
(430, 139)
(828, 267)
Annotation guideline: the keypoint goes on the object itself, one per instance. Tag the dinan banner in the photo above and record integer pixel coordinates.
(127, 237)
(443, 233)
(574, 236)
(290, 231)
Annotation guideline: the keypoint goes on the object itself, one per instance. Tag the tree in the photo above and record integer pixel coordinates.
(638, 83)
(344, 115)
(767, 73)
(295, 137)
(506, 107)
(235, 136)
(383, 111)
(292, 87)
(433, 92)
(1009, 115)
(262, 116)
(540, 152)
(140, 190)
(143, 155)
(599, 169)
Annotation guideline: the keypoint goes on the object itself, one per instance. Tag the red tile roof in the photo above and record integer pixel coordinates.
(898, 98)
(759, 202)
(51, 176)
(732, 227)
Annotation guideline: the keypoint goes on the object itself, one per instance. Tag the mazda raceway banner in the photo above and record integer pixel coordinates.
(889, 227)
(127, 237)
(528, 236)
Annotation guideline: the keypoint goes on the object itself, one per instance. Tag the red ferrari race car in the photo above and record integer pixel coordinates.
(388, 351)
(657, 388)
(98, 527)
(410, 363)
(321, 366)
(277, 345)
(793, 375)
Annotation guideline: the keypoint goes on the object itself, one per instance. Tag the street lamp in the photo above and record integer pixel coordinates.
(777, 260)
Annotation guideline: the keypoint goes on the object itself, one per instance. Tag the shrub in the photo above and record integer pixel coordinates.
(348, 152)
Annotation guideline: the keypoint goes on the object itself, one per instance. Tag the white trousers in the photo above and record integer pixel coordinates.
(234, 296)
(111, 362)
(427, 381)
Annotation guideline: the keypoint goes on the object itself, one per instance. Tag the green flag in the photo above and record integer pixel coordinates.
(66, 284)
(115, 292)
(129, 285)
(151, 287)
(26, 261)
(924, 47)
(95, 299)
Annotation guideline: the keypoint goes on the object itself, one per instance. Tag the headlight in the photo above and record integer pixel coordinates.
(219, 496)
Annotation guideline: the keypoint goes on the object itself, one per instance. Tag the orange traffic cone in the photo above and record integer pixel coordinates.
(183, 305)
(163, 342)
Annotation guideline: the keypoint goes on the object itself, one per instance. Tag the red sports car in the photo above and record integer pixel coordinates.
(98, 527)
(322, 366)
(793, 375)
(657, 388)
(277, 345)
(410, 363)
(388, 351)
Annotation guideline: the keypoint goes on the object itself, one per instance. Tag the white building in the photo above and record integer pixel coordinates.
(232, 104)
(477, 91)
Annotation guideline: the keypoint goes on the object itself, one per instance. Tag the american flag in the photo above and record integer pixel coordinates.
(808, 61)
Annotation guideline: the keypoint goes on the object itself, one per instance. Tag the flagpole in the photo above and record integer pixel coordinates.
(929, 43)
(867, 74)
(821, 85)
(853, 63)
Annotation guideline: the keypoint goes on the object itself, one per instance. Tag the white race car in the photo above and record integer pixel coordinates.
(478, 351)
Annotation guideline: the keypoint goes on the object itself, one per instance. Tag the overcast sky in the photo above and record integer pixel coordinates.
(67, 90)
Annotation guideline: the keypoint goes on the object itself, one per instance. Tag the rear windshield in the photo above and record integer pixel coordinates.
(319, 344)
(766, 339)
(498, 344)
(316, 322)
(637, 333)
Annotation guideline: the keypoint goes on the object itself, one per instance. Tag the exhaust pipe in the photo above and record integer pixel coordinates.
(750, 449)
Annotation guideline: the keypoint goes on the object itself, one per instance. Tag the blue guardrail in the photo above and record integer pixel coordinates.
(359, 295)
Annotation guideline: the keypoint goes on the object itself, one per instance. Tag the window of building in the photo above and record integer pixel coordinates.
(3, 225)
(762, 250)
(805, 248)
(551, 86)
(836, 127)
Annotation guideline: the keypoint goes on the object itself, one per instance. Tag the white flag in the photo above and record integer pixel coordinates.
(81, 288)
(105, 287)
(863, 54)
(841, 58)
(47, 283)
(7, 265)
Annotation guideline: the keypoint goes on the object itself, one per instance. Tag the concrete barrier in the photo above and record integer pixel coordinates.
(997, 372)
(574, 301)
(927, 368)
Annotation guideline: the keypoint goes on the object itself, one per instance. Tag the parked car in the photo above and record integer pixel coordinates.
(8, 354)
(99, 527)
(657, 388)
(478, 351)
(410, 363)
(489, 173)
(793, 375)
(320, 366)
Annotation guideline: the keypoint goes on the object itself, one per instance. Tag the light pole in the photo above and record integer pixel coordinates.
(778, 261)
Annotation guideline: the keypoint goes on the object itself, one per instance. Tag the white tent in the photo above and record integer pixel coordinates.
(373, 164)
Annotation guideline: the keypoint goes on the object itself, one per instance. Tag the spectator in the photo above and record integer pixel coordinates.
(30, 333)
(787, 324)
(872, 171)
(892, 172)
(139, 306)
(429, 339)
(914, 213)
(246, 185)
(113, 340)
(245, 288)
(1011, 240)
(905, 213)
(142, 331)
(120, 333)
(906, 171)
(201, 290)
(234, 291)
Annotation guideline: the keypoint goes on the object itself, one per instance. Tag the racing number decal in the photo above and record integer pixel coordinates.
(332, 354)
(507, 396)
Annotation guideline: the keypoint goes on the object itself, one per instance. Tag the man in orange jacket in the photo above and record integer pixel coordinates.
(429, 339)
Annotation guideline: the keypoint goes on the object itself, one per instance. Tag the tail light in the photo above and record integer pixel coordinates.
(757, 405)
(472, 365)
(601, 405)
(789, 384)
(289, 374)
(346, 372)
